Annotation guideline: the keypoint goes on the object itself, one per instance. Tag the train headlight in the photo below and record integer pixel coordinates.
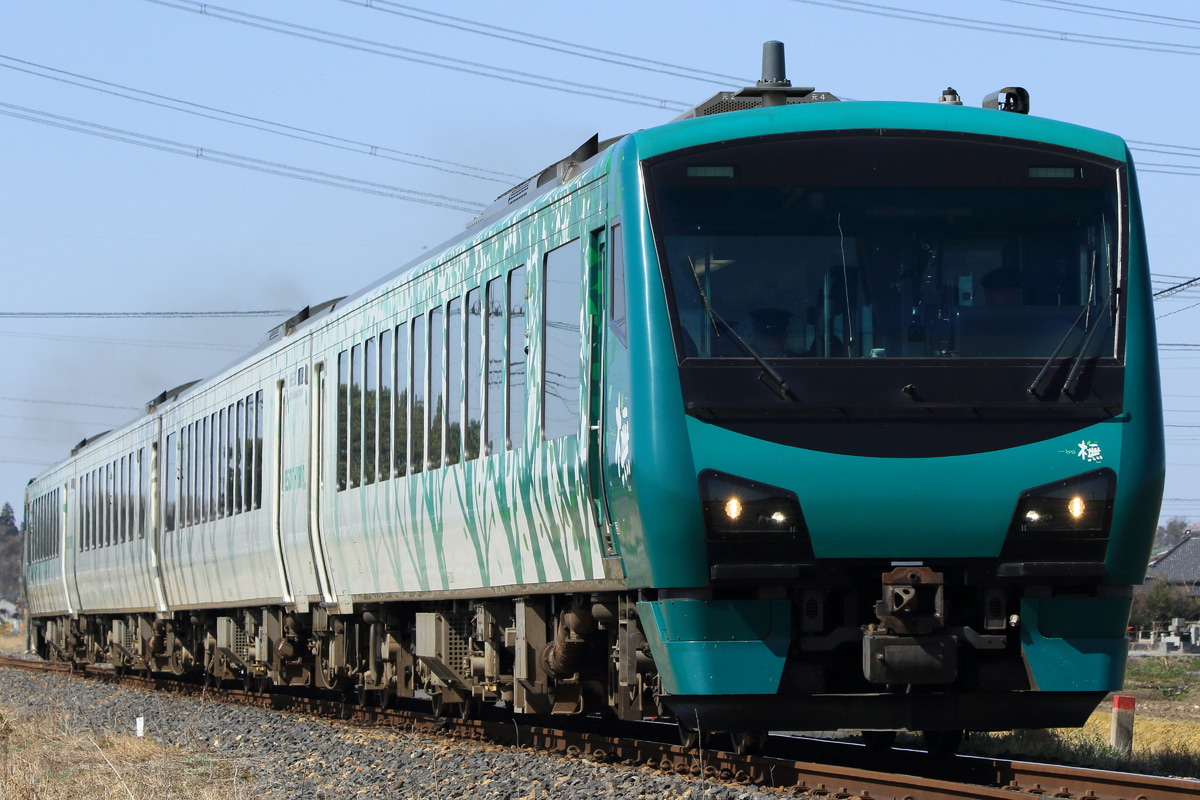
(754, 533)
(1067, 520)
(737, 508)
(733, 509)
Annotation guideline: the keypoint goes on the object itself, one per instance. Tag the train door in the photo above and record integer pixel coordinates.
(66, 526)
(154, 522)
(298, 481)
(597, 418)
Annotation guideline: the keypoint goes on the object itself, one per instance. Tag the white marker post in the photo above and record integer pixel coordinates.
(1122, 724)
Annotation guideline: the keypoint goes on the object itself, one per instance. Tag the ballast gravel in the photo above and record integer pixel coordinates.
(298, 757)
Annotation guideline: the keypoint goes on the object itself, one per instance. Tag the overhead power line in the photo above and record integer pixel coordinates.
(107, 342)
(254, 123)
(1179, 287)
(138, 314)
(234, 160)
(1109, 13)
(1008, 27)
(545, 42)
(67, 403)
(419, 56)
(1176, 311)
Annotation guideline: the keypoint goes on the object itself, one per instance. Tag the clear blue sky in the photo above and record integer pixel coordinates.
(113, 205)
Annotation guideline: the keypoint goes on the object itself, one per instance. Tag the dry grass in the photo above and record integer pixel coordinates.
(10, 643)
(1160, 746)
(44, 759)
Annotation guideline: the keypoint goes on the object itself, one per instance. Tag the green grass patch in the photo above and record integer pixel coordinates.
(1173, 677)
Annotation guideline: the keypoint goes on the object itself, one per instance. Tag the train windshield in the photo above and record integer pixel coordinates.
(889, 247)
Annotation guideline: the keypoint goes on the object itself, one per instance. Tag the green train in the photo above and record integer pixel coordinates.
(791, 414)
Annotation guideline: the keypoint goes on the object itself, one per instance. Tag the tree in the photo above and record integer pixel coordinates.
(1160, 602)
(1173, 532)
(7, 522)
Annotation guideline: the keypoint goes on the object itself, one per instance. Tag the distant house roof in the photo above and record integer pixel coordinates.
(1180, 564)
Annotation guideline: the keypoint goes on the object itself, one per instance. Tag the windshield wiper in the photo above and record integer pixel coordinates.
(769, 375)
(1090, 333)
(1073, 376)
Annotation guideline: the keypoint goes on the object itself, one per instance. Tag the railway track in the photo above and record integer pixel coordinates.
(807, 767)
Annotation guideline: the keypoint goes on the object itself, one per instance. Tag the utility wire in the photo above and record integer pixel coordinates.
(67, 403)
(234, 160)
(1179, 287)
(1176, 311)
(418, 56)
(1109, 13)
(138, 314)
(1008, 28)
(545, 42)
(93, 340)
(254, 123)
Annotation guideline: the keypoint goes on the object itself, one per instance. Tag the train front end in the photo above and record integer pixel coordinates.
(895, 444)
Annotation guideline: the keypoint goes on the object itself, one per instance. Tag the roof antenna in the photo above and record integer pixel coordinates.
(775, 88)
(774, 75)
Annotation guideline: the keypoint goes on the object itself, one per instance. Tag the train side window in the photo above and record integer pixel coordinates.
(370, 406)
(436, 407)
(385, 402)
(211, 453)
(454, 381)
(259, 435)
(127, 510)
(343, 418)
(123, 499)
(188, 493)
(213, 460)
(239, 437)
(109, 506)
(418, 378)
(143, 492)
(355, 440)
(81, 495)
(231, 463)
(617, 303)
(493, 431)
(473, 380)
(222, 464)
(215, 466)
(202, 469)
(80, 515)
(562, 337)
(115, 501)
(402, 393)
(169, 483)
(126, 497)
(248, 467)
(516, 357)
(93, 510)
(210, 423)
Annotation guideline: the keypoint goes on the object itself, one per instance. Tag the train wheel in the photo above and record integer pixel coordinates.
(747, 743)
(383, 698)
(692, 739)
(443, 708)
(942, 743)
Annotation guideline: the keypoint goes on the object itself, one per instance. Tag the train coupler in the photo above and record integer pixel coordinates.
(929, 659)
